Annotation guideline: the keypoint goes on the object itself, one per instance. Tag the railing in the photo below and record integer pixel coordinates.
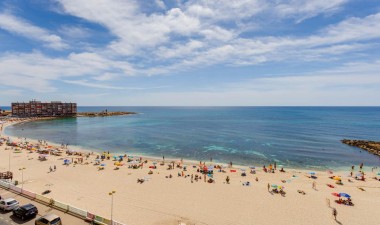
(83, 214)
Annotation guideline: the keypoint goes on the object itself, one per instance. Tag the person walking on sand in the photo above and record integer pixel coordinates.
(334, 213)
(314, 185)
(55, 168)
(192, 176)
(268, 186)
(275, 166)
(50, 169)
(228, 179)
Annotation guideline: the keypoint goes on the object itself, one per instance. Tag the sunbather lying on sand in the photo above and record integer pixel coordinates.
(140, 180)
(301, 192)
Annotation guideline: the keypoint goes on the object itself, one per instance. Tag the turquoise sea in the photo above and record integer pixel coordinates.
(291, 136)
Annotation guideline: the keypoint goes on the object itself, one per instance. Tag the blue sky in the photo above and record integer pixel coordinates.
(194, 52)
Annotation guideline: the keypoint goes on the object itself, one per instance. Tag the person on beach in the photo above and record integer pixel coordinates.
(314, 185)
(334, 213)
(361, 166)
(192, 176)
(228, 179)
(328, 202)
(275, 166)
(50, 169)
(55, 168)
(268, 186)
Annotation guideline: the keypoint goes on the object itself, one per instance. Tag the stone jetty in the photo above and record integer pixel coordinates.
(370, 146)
(103, 113)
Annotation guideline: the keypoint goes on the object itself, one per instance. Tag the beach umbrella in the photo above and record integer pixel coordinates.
(98, 160)
(210, 168)
(274, 186)
(378, 173)
(103, 164)
(154, 163)
(242, 170)
(335, 194)
(344, 195)
(359, 174)
(312, 173)
(252, 167)
(337, 178)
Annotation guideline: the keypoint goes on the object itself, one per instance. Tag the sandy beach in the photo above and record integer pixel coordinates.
(162, 200)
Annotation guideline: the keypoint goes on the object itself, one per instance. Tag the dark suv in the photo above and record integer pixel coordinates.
(25, 211)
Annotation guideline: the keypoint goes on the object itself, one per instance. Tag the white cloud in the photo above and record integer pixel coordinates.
(301, 9)
(74, 32)
(351, 84)
(160, 4)
(88, 83)
(21, 27)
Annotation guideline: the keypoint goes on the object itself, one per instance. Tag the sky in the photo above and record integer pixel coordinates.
(191, 52)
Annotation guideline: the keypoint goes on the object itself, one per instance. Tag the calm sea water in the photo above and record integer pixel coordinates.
(291, 136)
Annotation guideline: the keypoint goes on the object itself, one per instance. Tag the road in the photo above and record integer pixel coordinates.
(6, 218)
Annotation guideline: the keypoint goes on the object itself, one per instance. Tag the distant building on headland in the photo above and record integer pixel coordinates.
(43, 109)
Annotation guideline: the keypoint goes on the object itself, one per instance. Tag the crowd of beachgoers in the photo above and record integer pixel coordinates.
(274, 179)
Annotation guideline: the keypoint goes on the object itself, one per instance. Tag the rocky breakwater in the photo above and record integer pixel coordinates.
(370, 146)
(98, 114)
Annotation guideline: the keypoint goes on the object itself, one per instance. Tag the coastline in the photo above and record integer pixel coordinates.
(157, 158)
(166, 201)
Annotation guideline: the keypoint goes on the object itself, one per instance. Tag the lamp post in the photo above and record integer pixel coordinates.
(22, 178)
(9, 169)
(112, 193)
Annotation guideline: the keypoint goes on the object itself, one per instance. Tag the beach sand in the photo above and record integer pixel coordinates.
(167, 201)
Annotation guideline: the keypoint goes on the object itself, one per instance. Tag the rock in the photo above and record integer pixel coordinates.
(370, 146)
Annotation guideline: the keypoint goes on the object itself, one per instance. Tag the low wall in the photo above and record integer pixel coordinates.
(80, 213)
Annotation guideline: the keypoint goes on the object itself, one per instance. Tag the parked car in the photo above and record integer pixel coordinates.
(25, 211)
(49, 219)
(8, 204)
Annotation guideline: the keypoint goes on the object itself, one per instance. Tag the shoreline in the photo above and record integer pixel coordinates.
(157, 158)
(164, 200)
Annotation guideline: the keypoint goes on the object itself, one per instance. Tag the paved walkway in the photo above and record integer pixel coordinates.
(6, 218)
